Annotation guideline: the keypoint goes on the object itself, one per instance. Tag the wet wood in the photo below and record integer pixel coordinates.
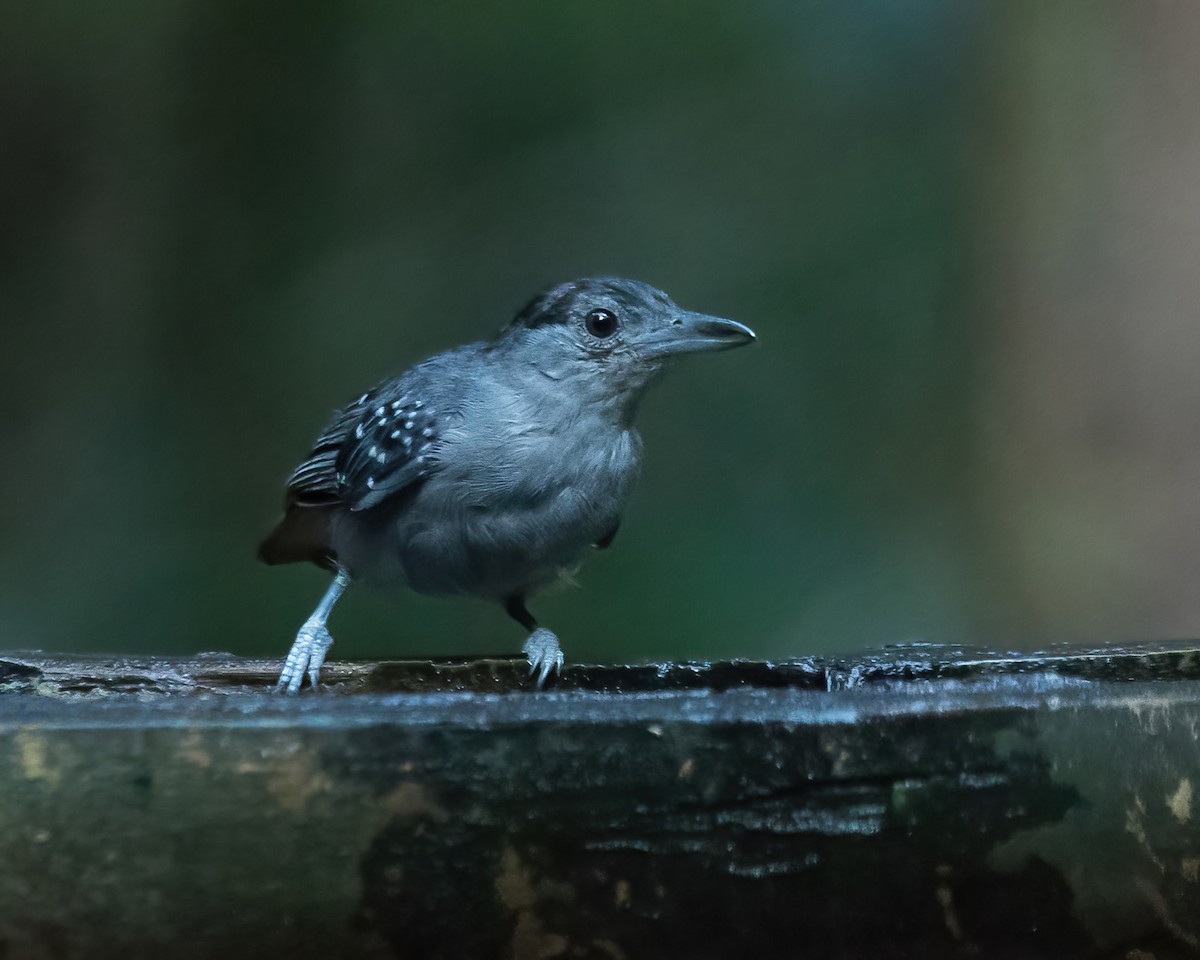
(916, 802)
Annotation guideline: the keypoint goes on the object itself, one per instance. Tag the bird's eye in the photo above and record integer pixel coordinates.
(601, 324)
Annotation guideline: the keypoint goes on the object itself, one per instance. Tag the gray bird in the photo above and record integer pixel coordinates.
(492, 469)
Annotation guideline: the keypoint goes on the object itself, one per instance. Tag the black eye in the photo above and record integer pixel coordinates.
(601, 323)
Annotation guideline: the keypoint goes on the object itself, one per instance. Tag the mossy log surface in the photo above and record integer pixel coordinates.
(919, 802)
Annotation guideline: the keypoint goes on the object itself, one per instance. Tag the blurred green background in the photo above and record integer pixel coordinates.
(966, 233)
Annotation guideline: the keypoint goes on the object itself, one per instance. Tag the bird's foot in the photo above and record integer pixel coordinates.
(544, 653)
(306, 656)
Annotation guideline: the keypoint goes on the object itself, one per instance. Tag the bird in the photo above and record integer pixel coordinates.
(491, 469)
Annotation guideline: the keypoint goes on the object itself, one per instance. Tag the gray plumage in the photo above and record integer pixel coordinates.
(492, 469)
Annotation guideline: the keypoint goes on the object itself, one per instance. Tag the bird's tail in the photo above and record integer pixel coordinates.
(302, 535)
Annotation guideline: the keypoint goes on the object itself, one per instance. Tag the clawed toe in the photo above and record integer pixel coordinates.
(305, 657)
(544, 653)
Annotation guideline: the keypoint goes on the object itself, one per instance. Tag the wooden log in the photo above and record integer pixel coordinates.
(918, 802)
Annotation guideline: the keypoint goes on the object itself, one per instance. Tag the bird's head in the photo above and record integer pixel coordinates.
(617, 331)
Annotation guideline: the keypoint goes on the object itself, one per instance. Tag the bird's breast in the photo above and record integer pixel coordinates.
(508, 513)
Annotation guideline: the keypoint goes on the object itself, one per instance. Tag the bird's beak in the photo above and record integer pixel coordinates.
(693, 333)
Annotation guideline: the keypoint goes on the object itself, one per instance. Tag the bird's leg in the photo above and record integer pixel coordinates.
(541, 646)
(313, 640)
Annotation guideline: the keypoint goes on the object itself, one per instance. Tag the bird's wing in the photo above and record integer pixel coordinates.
(315, 482)
(379, 445)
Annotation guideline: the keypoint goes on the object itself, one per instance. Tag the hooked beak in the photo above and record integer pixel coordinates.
(695, 333)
